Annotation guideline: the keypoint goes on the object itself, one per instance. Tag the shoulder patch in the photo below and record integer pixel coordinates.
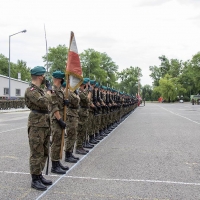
(32, 89)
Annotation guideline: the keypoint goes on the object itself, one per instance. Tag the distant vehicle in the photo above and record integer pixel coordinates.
(181, 100)
(196, 98)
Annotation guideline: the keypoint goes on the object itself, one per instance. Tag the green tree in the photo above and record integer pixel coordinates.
(129, 80)
(3, 65)
(169, 88)
(155, 74)
(90, 62)
(147, 92)
(57, 57)
(22, 68)
(99, 66)
(108, 65)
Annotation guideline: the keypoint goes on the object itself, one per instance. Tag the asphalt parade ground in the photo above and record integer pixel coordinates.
(154, 154)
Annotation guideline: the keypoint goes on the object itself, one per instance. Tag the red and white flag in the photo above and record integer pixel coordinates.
(73, 68)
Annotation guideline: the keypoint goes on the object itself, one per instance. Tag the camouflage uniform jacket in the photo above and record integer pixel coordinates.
(36, 99)
(72, 109)
(59, 103)
(84, 103)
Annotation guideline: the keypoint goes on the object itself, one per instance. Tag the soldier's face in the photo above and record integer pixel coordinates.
(43, 80)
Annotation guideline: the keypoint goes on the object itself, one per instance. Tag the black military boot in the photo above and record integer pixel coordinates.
(116, 124)
(63, 167)
(106, 131)
(36, 183)
(77, 158)
(98, 137)
(110, 128)
(102, 133)
(88, 145)
(95, 139)
(56, 168)
(69, 158)
(45, 181)
(91, 140)
(81, 151)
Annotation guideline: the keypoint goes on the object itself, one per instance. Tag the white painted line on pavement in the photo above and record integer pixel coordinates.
(13, 129)
(64, 175)
(179, 115)
(133, 180)
(110, 179)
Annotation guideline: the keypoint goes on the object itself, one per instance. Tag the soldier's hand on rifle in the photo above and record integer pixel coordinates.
(66, 102)
(62, 123)
(48, 85)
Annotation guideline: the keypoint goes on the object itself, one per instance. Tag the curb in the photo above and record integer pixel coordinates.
(14, 110)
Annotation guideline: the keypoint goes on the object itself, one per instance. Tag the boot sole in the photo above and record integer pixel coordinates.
(41, 189)
(81, 153)
(71, 161)
(47, 183)
(52, 171)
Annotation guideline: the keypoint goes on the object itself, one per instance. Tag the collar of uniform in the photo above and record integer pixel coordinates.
(36, 87)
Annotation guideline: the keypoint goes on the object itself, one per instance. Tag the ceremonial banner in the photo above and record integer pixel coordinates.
(73, 68)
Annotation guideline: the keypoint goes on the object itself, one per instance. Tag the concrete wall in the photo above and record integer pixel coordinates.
(14, 84)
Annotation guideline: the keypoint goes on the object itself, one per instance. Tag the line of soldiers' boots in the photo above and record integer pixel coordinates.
(40, 183)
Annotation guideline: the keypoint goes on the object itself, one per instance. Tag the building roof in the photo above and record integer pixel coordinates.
(14, 79)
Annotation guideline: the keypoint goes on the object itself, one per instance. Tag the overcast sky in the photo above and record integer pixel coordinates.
(132, 32)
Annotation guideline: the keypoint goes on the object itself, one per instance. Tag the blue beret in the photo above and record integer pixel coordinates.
(64, 84)
(92, 82)
(58, 74)
(38, 71)
(86, 80)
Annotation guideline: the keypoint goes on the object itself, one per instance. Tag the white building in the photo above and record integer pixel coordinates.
(17, 87)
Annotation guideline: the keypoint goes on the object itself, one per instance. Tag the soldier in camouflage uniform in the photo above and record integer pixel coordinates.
(38, 126)
(84, 95)
(72, 125)
(57, 123)
(99, 105)
(92, 112)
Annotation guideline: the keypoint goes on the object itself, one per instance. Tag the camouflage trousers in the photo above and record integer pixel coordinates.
(56, 132)
(103, 121)
(91, 123)
(82, 131)
(39, 148)
(97, 123)
(72, 125)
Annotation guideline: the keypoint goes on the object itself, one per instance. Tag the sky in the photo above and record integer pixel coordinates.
(131, 32)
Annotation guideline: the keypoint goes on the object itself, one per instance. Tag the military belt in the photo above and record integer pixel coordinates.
(85, 107)
(73, 107)
(41, 111)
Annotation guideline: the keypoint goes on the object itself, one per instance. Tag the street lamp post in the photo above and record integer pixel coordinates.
(24, 31)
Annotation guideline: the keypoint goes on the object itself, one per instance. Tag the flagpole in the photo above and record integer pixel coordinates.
(66, 97)
(46, 49)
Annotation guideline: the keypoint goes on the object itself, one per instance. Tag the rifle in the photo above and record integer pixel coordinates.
(95, 103)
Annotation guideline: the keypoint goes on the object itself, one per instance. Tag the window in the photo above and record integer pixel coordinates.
(18, 92)
(6, 91)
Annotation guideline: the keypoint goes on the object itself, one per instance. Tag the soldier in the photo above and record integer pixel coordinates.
(72, 125)
(97, 118)
(92, 113)
(63, 86)
(57, 123)
(84, 95)
(38, 126)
